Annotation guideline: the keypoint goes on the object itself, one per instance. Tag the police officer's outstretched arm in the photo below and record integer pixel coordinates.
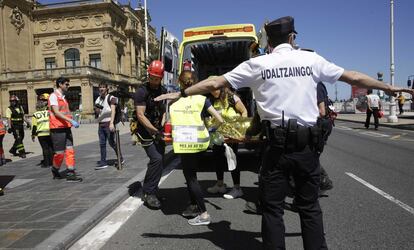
(361, 80)
(203, 87)
(143, 120)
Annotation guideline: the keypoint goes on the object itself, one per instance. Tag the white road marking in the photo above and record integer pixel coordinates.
(101, 233)
(374, 134)
(382, 193)
(342, 127)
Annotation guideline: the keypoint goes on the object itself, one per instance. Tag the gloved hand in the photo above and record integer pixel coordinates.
(10, 130)
(74, 123)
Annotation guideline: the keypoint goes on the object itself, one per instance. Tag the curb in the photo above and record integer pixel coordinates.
(401, 126)
(65, 236)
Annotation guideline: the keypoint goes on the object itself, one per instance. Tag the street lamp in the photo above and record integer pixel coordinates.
(392, 118)
(146, 31)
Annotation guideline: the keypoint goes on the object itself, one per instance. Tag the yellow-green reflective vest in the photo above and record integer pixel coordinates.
(225, 110)
(189, 133)
(40, 119)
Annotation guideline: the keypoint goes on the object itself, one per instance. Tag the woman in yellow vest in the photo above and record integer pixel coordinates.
(228, 105)
(40, 128)
(190, 139)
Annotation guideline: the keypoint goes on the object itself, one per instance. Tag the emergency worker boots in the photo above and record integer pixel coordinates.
(71, 176)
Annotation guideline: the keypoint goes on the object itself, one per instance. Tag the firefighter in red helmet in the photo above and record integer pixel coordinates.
(151, 118)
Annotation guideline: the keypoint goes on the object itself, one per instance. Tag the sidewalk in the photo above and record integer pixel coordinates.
(405, 121)
(53, 213)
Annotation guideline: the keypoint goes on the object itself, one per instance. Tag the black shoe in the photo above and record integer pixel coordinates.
(55, 173)
(71, 176)
(151, 201)
(291, 207)
(1, 192)
(326, 184)
(191, 211)
(22, 155)
(253, 207)
(13, 152)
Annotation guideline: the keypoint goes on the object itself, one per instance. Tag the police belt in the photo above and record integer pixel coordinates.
(293, 137)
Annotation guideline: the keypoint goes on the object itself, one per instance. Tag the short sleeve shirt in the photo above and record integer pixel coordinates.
(144, 96)
(285, 81)
(373, 100)
(53, 101)
(322, 93)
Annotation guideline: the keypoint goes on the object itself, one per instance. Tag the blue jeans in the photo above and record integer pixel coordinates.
(104, 135)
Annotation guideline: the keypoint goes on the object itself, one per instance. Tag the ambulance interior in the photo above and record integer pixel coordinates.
(218, 56)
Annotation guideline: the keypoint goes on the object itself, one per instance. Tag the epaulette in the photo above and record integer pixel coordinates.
(309, 50)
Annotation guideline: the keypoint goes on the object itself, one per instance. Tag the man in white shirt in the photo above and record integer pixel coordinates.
(105, 106)
(373, 108)
(284, 84)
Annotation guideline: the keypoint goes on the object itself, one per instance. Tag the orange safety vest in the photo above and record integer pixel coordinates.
(2, 128)
(55, 122)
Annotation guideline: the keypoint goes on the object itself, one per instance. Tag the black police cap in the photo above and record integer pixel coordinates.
(281, 26)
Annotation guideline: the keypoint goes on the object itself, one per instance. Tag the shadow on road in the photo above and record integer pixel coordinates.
(220, 235)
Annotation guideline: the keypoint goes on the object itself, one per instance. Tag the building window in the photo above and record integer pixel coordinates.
(118, 62)
(50, 63)
(72, 58)
(22, 95)
(95, 60)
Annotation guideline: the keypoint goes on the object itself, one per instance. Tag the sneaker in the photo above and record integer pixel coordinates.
(71, 176)
(233, 194)
(56, 174)
(191, 211)
(151, 201)
(199, 221)
(101, 166)
(217, 189)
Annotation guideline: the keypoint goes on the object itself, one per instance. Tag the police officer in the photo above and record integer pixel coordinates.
(284, 84)
(150, 115)
(16, 119)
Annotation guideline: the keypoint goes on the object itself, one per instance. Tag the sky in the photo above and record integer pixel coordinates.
(354, 34)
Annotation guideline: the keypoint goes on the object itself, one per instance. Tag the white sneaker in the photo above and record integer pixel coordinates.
(199, 221)
(233, 194)
(101, 167)
(217, 189)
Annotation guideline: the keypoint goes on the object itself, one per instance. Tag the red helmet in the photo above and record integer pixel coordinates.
(156, 68)
(14, 98)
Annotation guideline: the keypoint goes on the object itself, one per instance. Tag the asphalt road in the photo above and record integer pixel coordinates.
(370, 207)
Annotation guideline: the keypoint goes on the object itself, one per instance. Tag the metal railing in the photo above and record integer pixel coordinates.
(80, 71)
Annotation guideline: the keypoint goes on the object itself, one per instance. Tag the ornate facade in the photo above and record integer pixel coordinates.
(87, 41)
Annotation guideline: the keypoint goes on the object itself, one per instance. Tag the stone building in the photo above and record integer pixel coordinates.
(87, 41)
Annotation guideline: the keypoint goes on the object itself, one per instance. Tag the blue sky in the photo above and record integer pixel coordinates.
(354, 34)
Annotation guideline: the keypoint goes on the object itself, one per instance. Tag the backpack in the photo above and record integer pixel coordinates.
(118, 110)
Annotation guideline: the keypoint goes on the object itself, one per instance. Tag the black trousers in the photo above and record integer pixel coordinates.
(190, 162)
(400, 107)
(155, 153)
(221, 163)
(47, 150)
(274, 185)
(368, 120)
(18, 134)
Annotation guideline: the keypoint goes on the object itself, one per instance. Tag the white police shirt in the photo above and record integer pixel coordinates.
(285, 80)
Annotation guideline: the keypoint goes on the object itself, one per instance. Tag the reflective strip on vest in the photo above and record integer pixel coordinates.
(189, 133)
(63, 106)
